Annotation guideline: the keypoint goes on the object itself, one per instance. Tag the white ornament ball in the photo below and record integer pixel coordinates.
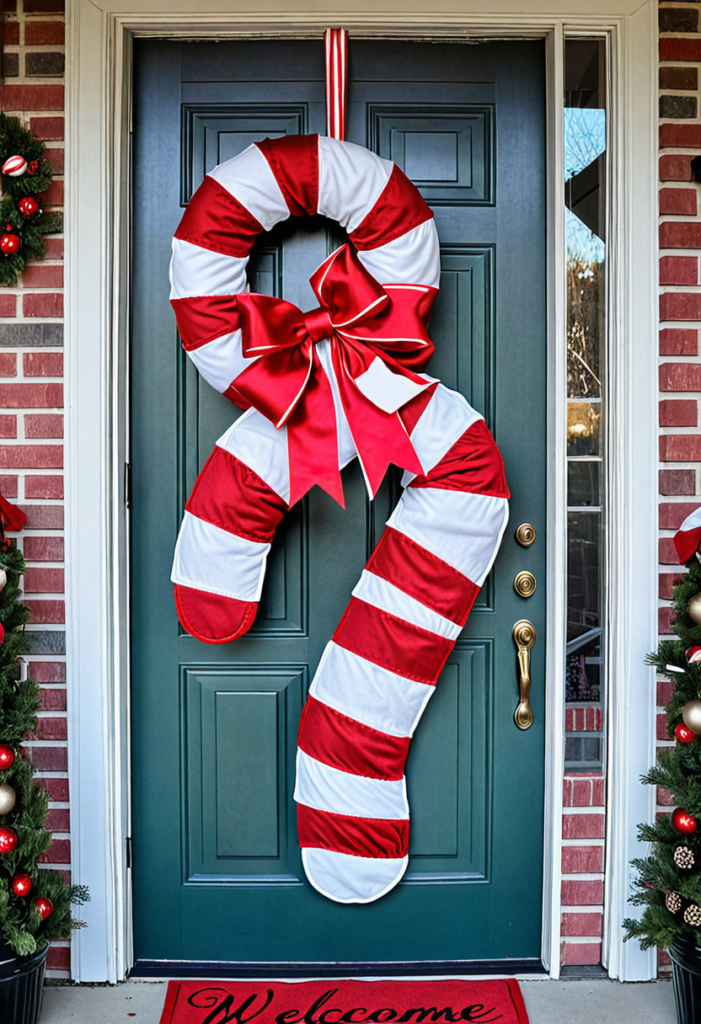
(14, 166)
(7, 798)
(691, 713)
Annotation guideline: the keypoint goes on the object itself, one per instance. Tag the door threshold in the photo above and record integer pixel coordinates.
(355, 969)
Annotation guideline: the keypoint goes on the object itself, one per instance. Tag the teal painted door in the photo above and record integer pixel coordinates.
(216, 866)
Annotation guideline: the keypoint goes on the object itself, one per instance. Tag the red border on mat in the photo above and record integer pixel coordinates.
(175, 987)
(517, 997)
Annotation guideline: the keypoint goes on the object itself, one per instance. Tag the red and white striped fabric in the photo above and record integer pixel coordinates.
(379, 670)
(688, 537)
(381, 667)
(336, 46)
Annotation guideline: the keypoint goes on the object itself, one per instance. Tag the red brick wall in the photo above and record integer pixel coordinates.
(680, 302)
(31, 403)
(582, 888)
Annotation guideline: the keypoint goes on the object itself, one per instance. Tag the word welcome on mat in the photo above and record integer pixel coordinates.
(344, 1002)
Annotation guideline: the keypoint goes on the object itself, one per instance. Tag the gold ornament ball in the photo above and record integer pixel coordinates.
(694, 608)
(691, 713)
(7, 799)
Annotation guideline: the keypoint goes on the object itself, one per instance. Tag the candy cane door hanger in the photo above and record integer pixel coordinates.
(323, 387)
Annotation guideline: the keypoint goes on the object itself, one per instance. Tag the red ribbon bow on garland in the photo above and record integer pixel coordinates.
(375, 338)
(11, 518)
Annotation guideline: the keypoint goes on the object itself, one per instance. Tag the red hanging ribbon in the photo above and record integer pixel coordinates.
(336, 41)
(377, 341)
(11, 518)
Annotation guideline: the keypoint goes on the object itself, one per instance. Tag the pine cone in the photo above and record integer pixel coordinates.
(684, 858)
(673, 903)
(692, 915)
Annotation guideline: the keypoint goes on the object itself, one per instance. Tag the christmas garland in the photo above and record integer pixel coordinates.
(24, 175)
(35, 903)
(667, 882)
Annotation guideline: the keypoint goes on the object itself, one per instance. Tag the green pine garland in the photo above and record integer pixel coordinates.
(21, 926)
(678, 770)
(16, 140)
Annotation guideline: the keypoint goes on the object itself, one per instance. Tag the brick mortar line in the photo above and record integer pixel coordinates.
(584, 939)
(588, 809)
(577, 908)
(582, 876)
(679, 431)
(584, 842)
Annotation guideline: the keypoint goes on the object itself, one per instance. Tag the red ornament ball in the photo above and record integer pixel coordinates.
(7, 757)
(693, 655)
(14, 166)
(21, 885)
(9, 244)
(683, 822)
(44, 906)
(28, 206)
(684, 734)
(33, 167)
(8, 840)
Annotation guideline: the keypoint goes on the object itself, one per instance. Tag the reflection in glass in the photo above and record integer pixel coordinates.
(585, 215)
(585, 155)
(583, 556)
(583, 428)
(583, 667)
(583, 483)
(585, 314)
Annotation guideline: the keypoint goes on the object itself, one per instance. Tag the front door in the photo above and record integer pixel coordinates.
(216, 865)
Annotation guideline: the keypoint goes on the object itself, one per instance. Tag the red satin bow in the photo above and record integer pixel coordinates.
(376, 340)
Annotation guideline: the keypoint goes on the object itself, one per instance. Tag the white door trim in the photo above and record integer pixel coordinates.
(97, 234)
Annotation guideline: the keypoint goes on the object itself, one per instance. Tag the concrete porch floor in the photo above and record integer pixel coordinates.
(596, 1001)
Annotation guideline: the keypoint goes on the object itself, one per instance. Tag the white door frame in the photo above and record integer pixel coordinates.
(97, 294)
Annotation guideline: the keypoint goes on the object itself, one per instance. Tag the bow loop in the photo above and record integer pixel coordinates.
(344, 287)
(378, 340)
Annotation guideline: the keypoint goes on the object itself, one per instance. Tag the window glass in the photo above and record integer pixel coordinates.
(585, 139)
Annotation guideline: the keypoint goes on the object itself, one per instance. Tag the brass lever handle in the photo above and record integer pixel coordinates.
(524, 638)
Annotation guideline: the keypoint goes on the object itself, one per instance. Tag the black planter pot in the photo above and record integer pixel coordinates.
(686, 976)
(21, 986)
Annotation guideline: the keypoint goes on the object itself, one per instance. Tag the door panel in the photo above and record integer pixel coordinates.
(238, 823)
(446, 151)
(217, 868)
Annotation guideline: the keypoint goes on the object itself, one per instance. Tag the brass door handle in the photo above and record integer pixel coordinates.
(524, 638)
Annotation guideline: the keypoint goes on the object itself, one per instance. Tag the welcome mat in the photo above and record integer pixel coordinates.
(344, 1002)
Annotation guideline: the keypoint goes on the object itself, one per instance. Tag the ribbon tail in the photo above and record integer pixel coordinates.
(395, 447)
(312, 442)
(380, 437)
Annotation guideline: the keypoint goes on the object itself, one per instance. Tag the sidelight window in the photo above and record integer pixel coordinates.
(585, 140)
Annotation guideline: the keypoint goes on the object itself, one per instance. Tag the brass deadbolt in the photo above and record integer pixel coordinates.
(525, 584)
(525, 534)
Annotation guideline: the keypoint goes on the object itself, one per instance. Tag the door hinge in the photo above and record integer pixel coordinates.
(129, 852)
(127, 484)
